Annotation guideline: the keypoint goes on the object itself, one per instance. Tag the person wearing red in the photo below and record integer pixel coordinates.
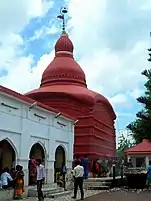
(95, 168)
(32, 171)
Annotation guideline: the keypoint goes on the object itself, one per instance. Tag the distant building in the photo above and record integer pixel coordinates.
(140, 154)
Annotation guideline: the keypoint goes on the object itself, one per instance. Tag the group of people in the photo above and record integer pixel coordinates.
(13, 179)
(80, 173)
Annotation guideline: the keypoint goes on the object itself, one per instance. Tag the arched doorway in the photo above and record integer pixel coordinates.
(7, 155)
(36, 152)
(60, 159)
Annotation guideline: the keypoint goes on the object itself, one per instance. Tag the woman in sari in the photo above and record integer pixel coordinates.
(95, 168)
(32, 171)
(18, 183)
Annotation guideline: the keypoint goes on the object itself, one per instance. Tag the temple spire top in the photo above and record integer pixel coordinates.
(63, 11)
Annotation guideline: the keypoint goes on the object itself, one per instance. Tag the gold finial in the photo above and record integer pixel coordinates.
(63, 11)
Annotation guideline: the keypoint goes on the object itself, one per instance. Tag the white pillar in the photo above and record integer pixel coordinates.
(50, 172)
(69, 165)
(147, 160)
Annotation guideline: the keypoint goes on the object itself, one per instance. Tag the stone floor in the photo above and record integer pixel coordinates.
(122, 196)
(88, 193)
(114, 195)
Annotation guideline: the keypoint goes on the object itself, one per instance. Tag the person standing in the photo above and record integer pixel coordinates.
(40, 179)
(149, 175)
(78, 173)
(85, 164)
(77, 158)
(32, 171)
(95, 168)
(18, 183)
(63, 173)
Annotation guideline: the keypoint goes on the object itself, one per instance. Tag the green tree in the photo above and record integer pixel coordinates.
(123, 144)
(141, 127)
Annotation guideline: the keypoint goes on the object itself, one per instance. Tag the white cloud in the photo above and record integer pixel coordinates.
(43, 31)
(14, 16)
(23, 79)
(125, 115)
(110, 71)
(112, 60)
(119, 99)
(136, 93)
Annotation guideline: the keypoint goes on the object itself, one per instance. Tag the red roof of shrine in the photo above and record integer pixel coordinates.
(31, 101)
(144, 146)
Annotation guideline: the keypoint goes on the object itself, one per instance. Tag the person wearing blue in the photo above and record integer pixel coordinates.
(85, 164)
(149, 175)
(63, 174)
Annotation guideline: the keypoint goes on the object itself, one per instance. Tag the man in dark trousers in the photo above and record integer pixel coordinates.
(78, 173)
(40, 179)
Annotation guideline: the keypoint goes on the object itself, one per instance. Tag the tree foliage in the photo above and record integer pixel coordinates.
(141, 127)
(123, 144)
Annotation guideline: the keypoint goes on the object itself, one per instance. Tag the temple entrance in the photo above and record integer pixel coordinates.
(7, 155)
(60, 159)
(36, 152)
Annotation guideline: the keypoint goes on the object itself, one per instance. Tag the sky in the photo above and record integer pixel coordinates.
(110, 40)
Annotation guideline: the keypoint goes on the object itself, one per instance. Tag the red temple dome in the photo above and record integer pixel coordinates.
(63, 86)
(64, 44)
(63, 69)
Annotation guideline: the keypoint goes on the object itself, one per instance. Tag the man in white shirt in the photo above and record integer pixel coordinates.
(6, 179)
(78, 173)
(40, 179)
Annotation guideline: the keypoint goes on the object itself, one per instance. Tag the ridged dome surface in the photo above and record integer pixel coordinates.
(64, 44)
(63, 69)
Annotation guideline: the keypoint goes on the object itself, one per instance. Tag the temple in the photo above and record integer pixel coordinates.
(63, 86)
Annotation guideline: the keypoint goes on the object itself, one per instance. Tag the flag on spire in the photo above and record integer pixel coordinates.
(60, 17)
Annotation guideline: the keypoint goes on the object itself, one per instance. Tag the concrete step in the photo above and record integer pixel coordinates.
(103, 179)
(46, 190)
(88, 184)
(97, 183)
(51, 185)
(98, 188)
(59, 194)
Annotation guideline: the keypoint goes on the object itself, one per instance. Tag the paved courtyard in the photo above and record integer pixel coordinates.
(107, 196)
(121, 196)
